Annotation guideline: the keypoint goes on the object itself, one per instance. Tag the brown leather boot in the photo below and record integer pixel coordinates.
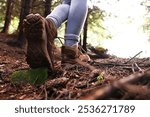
(71, 53)
(40, 35)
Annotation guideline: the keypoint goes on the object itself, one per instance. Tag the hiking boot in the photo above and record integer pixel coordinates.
(71, 53)
(40, 34)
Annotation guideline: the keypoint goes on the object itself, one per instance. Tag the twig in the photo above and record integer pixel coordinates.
(117, 64)
(58, 97)
(40, 93)
(133, 57)
(138, 67)
(147, 59)
(133, 68)
(45, 91)
(43, 87)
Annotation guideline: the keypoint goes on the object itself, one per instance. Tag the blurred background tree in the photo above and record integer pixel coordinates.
(9, 9)
(94, 28)
(14, 11)
(146, 26)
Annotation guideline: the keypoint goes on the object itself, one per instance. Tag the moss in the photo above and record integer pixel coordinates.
(33, 76)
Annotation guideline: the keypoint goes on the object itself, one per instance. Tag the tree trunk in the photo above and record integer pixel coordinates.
(10, 4)
(25, 10)
(85, 30)
(48, 4)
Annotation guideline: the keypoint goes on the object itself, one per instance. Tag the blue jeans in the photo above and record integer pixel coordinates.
(75, 12)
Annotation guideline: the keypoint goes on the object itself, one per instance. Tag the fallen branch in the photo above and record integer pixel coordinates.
(138, 67)
(133, 57)
(118, 64)
(108, 91)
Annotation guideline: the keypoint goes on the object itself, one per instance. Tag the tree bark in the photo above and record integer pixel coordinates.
(48, 4)
(25, 10)
(10, 4)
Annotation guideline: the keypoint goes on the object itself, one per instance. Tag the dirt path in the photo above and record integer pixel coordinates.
(70, 82)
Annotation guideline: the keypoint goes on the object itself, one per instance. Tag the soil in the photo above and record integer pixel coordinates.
(70, 81)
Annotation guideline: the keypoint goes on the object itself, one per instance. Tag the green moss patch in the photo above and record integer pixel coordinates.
(33, 76)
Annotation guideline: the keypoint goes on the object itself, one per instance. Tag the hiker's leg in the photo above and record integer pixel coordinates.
(60, 13)
(76, 19)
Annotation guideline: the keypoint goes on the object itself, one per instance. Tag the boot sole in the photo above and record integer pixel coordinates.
(35, 33)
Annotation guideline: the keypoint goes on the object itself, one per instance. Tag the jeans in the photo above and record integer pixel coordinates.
(75, 12)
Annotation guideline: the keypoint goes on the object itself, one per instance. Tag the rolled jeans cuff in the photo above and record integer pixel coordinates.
(55, 19)
(72, 37)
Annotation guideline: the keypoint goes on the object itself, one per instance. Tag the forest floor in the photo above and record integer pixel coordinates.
(72, 81)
